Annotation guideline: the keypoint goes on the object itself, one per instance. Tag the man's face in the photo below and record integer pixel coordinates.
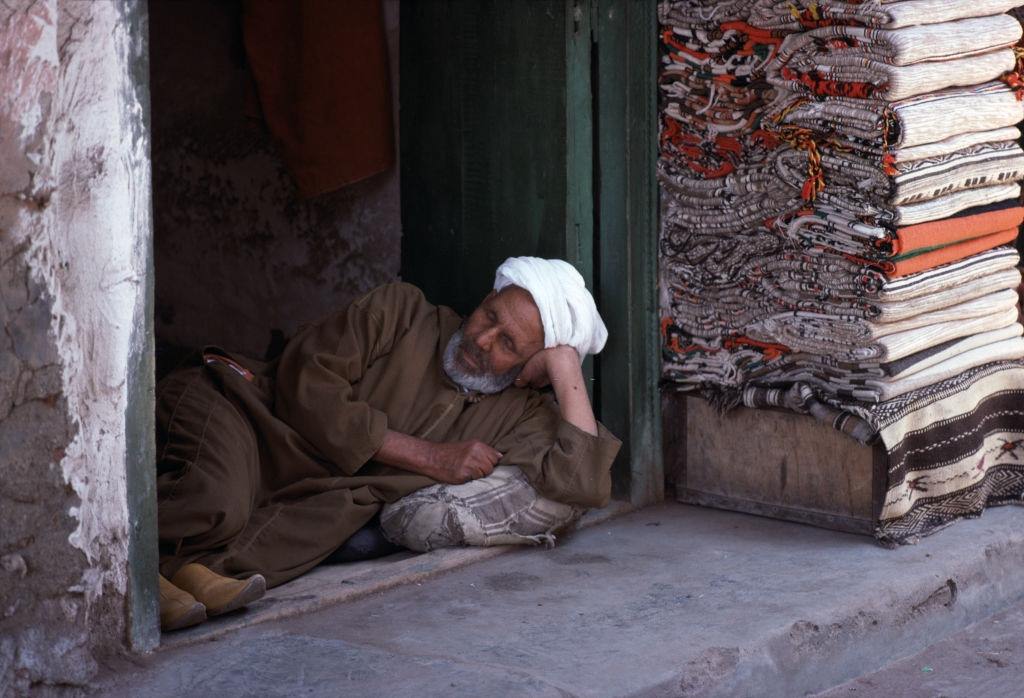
(495, 341)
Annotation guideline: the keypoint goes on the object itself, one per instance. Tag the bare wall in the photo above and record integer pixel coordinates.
(237, 253)
(74, 231)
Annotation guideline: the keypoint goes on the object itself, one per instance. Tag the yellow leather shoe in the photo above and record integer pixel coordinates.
(178, 608)
(219, 594)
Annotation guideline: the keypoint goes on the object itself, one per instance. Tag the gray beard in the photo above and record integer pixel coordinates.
(486, 383)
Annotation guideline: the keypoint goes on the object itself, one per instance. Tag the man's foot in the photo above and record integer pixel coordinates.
(219, 594)
(178, 608)
(367, 543)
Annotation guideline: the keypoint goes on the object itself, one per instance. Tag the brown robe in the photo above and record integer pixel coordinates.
(267, 467)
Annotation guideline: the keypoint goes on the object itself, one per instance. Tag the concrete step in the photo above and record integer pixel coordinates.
(669, 600)
(328, 585)
(985, 659)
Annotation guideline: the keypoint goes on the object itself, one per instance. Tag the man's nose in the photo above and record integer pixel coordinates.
(485, 339)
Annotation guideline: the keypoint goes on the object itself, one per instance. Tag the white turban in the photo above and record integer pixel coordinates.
(567, 309)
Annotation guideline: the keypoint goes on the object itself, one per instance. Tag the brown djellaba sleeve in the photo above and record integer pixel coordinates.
(314, 391)
(563, 462)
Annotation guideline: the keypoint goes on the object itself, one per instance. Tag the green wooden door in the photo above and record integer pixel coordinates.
(495, 145)
(528, 128)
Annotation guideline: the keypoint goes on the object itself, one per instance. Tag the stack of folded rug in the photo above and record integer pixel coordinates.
(718, 176)
(713, 86)
(908, 168)
(858, 266)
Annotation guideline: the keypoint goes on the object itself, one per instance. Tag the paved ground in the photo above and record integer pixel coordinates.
(986, 659)
(332, 584)
(670, 600)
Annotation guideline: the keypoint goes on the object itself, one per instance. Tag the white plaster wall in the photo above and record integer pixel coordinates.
(74, 225)
(103, 200)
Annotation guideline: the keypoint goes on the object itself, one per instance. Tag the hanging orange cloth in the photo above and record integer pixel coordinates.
(321, 71)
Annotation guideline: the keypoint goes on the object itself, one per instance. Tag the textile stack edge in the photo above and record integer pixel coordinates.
(840, 198)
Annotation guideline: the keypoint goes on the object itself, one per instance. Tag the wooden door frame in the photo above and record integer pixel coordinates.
(142, 626)
(626, 227)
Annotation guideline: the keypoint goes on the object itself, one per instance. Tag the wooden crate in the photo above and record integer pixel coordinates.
(771, 463)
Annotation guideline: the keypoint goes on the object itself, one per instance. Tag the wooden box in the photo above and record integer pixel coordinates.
(771, 463)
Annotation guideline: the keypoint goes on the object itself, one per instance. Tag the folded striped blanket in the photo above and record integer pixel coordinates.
(714, 311)
(825, 227)
(952, 204)
(906, 182)
(898, 156)
(923, 260)
(898, 345)
(869, 209)
(918, 361)
(798, 15)
(863, 373)
(866, 380)
(854, 338)
(975, 166)
(964, 226)
(891, 310)
(881, 126)
(953, 275)
(894, 64)
(844, 174)
(1003, 350)
(859, 385)
(954, 448)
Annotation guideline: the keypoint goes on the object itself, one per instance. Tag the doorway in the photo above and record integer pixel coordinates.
(536, 136)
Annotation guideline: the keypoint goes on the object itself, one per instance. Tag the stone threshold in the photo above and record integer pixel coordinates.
(334, 584)
(666, 600)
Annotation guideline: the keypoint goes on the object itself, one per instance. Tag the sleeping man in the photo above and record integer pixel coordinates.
(265, 469)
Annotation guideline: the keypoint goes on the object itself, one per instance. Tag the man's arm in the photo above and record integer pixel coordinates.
(560, 367)
(563, 450)
(452, 462)
(462, 461)
(314, 391)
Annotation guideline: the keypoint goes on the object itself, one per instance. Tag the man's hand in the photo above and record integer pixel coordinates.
(560, 367)
(451, 462)
(461, 461)
(548, 367)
